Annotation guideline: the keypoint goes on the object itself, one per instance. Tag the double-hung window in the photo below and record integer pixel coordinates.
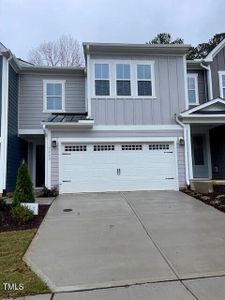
(192, 86)
(123, 84)
(144, 80)
(54, 95)
(102, 83)
(222, 83)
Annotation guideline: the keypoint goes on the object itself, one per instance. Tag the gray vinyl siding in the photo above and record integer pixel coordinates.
(0, 91)
(170, 96)
(55, 152)
(202, 87)
(31, 97)
(17, 148)
(218, 64)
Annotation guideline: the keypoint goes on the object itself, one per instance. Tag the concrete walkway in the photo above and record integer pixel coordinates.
(166, 242)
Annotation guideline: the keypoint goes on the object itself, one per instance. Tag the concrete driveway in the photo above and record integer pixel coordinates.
(163, 241)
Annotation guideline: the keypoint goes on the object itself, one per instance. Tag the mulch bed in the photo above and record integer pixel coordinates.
(9, 225)
(215, 199)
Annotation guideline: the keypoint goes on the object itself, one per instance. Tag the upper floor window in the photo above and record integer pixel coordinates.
(123, 85)
(102, 80)
(54, 95)
(192, 86)
(144, 80)
(222, 83)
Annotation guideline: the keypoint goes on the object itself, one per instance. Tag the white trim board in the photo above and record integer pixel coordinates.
(31, 131)
(215, 51)
(136, 127)
(118, 140)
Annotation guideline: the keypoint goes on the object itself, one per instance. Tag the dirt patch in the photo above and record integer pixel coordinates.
(215, 199)
(9, 225)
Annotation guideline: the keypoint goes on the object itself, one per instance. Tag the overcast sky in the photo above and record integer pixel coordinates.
(24, 24)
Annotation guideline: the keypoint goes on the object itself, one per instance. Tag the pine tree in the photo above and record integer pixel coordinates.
(24, 187)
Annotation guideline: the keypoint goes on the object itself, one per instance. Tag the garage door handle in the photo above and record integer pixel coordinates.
(66, 180)
(169, 178)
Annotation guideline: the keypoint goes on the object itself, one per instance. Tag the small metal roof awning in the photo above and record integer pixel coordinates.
(68, 120)
(212, 112)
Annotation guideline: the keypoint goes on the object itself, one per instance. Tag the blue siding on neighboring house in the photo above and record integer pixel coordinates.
(17, 148)
(0, 91)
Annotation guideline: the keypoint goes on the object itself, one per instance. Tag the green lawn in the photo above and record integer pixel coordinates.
(12, 268)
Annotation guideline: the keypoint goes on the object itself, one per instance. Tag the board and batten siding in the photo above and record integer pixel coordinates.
(31, 100)
(218, 64)
(169, 90)
(55, 152)
(0, 92)
(17, 148)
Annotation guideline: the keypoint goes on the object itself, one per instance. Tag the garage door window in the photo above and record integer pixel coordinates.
(159, 147)
(72, 148)
(131, 147)
(104, 147)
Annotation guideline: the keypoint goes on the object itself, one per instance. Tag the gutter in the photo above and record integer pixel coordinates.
(185, 150)
(209, 77)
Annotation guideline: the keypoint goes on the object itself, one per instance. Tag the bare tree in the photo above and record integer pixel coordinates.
(66, 51)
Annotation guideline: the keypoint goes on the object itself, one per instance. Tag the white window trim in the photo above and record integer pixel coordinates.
(100, 62)
(195, 76)
(221, 73)
(123, 62)
(45, 82)
(152, 64)
(112, 78)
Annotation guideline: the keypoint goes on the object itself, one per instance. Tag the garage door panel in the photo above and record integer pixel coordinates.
(115, 167)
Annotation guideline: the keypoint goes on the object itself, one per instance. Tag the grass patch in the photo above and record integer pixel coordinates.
(13, 269)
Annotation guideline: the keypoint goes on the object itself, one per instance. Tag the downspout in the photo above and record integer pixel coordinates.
(185, 150)
(209, 79)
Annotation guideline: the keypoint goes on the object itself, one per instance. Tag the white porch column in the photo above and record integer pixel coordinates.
(189, 150)
(47, 158)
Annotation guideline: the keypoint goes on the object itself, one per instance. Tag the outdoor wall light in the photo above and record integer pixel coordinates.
(54, 144)
(181, 141)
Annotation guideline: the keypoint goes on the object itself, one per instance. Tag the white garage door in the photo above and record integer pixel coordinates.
(117, 167)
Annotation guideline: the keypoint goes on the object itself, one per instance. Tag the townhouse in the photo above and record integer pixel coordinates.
(136, 117)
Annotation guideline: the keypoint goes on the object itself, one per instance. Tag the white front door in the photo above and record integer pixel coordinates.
(117, 167)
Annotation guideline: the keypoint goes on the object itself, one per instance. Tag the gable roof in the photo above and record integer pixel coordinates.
(214, 106)
(215, 51)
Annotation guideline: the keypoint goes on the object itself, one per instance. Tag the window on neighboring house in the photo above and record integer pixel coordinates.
(192, 86)
(54, 91)
(123, 85)
(144, 80)
(222, 84)
(102, 84)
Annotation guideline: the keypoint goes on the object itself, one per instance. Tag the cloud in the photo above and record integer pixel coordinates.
(26, 23)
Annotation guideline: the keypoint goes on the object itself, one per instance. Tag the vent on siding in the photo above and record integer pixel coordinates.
(131, 147)
(104, 147)
(71, 148)
(159, 147)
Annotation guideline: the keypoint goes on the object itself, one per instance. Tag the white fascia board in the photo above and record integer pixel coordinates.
(199, 107)
(215, 51)
(30, 131)
(136, 127)
(80, 124)
(118, 140)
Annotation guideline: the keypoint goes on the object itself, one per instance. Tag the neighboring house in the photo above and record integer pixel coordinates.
(205, 119)
(137, 117)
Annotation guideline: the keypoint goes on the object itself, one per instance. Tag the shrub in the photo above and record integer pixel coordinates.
(49, 192)
(21, 214)
(24, 187)
(2, 204)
